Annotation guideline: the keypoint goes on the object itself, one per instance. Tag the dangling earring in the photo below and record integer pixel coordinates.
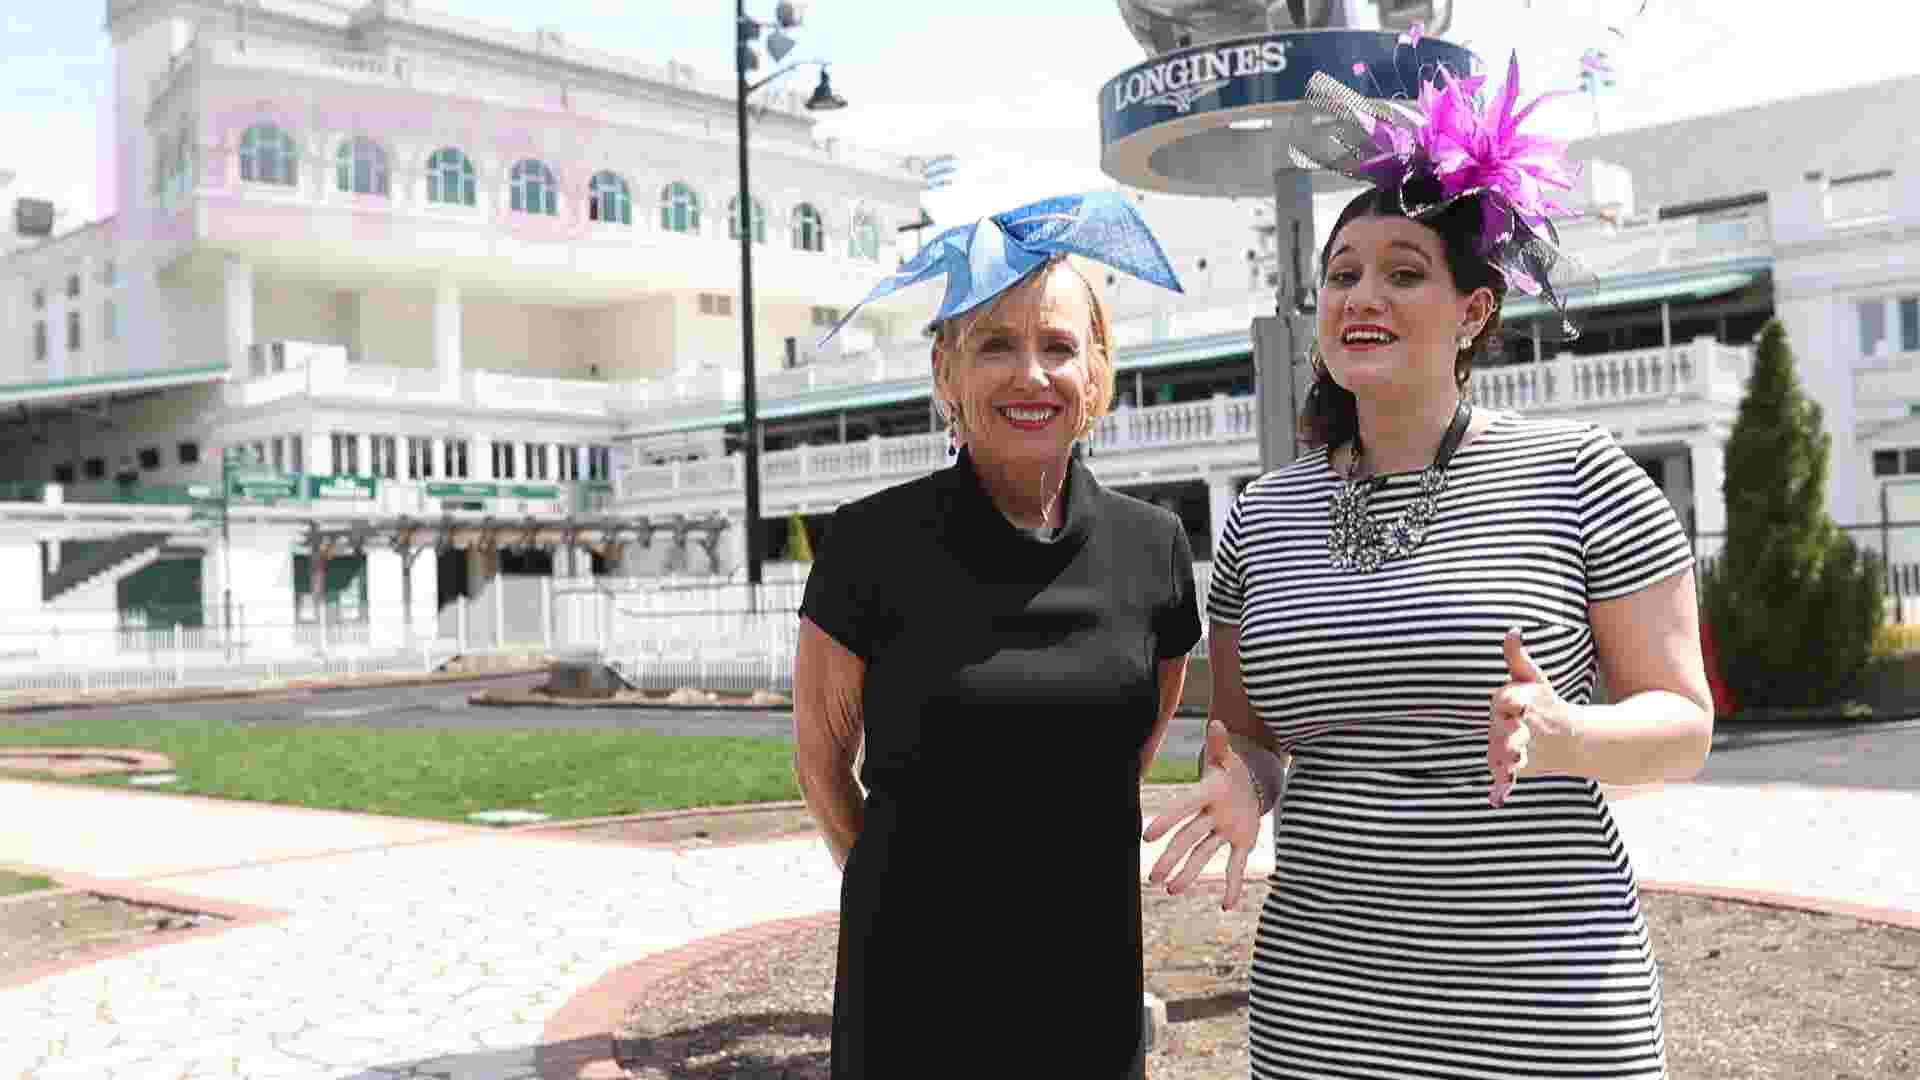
(953, 431)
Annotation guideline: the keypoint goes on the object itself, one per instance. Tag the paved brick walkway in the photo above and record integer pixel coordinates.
(380, 949)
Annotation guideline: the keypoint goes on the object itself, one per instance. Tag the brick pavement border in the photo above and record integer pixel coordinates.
(135, 761)
(577, 1043)
(235, 916)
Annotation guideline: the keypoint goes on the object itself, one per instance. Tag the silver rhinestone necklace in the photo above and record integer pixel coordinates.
(1358, 542)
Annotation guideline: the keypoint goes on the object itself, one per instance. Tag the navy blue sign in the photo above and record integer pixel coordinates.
(1214, 96)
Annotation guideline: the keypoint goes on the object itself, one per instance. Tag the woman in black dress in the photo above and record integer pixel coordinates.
(1010, 639)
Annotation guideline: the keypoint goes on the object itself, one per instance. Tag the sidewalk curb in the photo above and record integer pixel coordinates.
(540, 701)
(190, 696)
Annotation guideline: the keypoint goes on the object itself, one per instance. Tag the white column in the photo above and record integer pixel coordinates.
(437, 456)
(237, 302)
(20, 576)
(524, 453)
(385, 613)
(732, 549)
(1219, 502)
(480, 457)
(447, 358)
(320, 453)
(363, 449)
(580, 463)
(1707, 461)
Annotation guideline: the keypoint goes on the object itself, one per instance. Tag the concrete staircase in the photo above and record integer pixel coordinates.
(97, 563)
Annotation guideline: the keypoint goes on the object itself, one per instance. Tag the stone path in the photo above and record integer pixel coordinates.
(391, 949)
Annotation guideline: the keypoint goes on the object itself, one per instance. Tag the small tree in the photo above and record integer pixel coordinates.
(1793, 601)
(799, 545)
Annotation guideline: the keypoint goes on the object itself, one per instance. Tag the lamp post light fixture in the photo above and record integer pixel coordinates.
(788, 15)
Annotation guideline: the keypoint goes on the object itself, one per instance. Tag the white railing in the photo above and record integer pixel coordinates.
(1701, 368)
(1161, 426)
(1193, 422)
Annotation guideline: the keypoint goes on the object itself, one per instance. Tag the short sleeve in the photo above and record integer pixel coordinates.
(1629, 534)
(1176, 626)
(1226, 591)
(840, 587)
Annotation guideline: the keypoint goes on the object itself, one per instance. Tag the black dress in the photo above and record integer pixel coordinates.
(1011, 683)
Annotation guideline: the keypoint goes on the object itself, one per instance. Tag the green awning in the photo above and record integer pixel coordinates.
(1640, 289)
(1184, 352)
(87, 387)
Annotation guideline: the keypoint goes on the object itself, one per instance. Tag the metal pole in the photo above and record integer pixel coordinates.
(226, 550)
(749, 398)
(1886, 548)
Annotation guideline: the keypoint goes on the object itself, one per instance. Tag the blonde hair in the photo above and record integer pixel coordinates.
(953, 338)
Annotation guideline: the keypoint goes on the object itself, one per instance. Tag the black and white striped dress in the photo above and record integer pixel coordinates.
(1412, 930)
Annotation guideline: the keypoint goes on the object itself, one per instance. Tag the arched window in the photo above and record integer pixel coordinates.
(450, 177)
(534, 191)
(864, 241)
(679, 208)
(609, 199)
(267, 156)
(809, 228)
(759, 220)
(362, 167)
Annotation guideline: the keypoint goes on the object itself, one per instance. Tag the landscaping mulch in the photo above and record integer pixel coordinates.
(68, 926)
(1751, 992)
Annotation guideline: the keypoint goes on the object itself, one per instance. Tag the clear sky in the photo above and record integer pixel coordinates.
(1009, 85)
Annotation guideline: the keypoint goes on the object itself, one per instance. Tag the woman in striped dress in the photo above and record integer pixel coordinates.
(1414, 612)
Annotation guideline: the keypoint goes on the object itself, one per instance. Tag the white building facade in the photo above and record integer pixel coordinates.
(414, 265)
(425, 270)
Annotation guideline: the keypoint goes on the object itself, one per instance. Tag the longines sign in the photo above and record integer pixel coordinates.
(1199, 120)
(1180, 82)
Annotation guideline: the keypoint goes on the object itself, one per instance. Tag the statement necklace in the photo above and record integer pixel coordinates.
(1357, 542)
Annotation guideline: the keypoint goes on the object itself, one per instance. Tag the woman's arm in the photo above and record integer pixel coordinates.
(827, 724)
(1222, 809)
(1660, 726)
(1173, 682)
(1234, 733)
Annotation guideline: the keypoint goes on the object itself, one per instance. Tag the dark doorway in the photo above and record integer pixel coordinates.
(454, 581)
(526, 562)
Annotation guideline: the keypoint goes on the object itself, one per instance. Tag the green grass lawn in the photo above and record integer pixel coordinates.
(447, 775)
(12, 884)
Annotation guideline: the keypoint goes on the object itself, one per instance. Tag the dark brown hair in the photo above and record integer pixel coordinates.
(1329, 417)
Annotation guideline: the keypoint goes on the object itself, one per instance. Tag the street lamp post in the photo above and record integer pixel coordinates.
(746, 30)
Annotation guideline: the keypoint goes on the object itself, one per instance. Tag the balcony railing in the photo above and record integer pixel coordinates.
(1174, 425)
(1701, 368)
(1195, 423)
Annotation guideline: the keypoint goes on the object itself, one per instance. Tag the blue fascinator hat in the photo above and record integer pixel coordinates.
(986, 258)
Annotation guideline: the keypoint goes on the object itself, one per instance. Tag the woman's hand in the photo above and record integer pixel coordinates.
(1219, 811)
(1531, 728)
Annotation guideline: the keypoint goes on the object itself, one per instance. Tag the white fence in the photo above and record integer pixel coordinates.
(662, 634)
